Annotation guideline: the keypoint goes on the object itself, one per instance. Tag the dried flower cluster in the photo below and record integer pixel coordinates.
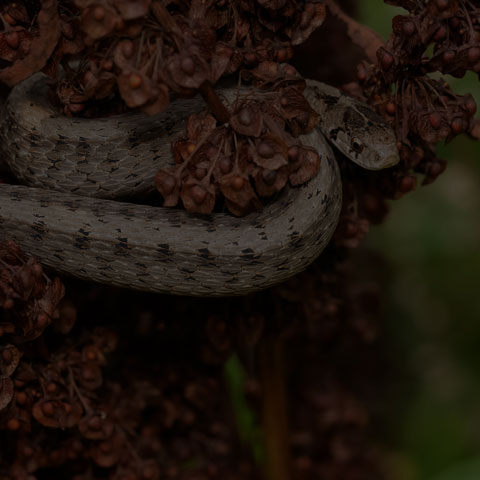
(158, 409)
(422, 109)
(258, 144)
(72, 402)
(29, 298)
(145, 49)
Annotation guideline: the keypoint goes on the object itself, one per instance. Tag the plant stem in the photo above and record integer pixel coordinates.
(216, 106)
(275, 422)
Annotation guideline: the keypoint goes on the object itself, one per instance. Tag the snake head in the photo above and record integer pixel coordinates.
(365, 138)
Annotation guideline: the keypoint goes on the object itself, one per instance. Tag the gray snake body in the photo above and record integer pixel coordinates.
(67, 163)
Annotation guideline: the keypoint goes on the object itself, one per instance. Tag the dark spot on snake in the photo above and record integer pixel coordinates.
(232, 280)
(81, 243)
(258, 276)
(121, 249)
(186, 270)
(141, 265)
(40, 226)
(329, 100)
(105, 267)
(164, 248)
(247, 250)
(297, 243)
(353, 119)
(325, 200)
(334, 132)
(291, 220)
(56, 255)
(84, 232)
(370, 114)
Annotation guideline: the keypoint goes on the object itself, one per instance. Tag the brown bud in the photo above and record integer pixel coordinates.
(225, 165)
(99, 13)
(127, 48)
(51, 387)
(473, 54)
(293, 152)
(435, 120)
(449, 56)
(269, 176)
(245, 117)
(21, 398)
(198, 194)
(168, 184)
(442, 4)
(408, 28)
(135, 80)
(13, 40)
(188, 65)
(390, 108)
(265, 150)
(13, 424)
(386, 60)
(238, 183)
(457, 126)
(47, 409)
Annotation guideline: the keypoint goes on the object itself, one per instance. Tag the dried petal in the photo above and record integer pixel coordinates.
(187, 70)
(168, 185)
(239, 194)
(197, 197)
(269, 182)
(248, 120)
(135, 88)
(96, 427)
(200, 126)
(270, 152)
(6, 392)
(9, 358)
(132, 9)
(309, 161)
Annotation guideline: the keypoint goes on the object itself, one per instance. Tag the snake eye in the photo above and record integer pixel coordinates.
(356, 144)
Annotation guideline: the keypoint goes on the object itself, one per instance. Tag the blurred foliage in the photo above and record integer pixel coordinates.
(430, 242)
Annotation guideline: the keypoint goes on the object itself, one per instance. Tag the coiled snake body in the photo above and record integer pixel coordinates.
(74, 167)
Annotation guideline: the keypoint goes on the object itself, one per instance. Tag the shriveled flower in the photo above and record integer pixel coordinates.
(168, 184)
(197, 196)
(239, 195)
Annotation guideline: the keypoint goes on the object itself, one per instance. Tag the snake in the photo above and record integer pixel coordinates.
(73, 209)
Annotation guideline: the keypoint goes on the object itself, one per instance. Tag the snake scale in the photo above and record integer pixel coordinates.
(75, 168)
